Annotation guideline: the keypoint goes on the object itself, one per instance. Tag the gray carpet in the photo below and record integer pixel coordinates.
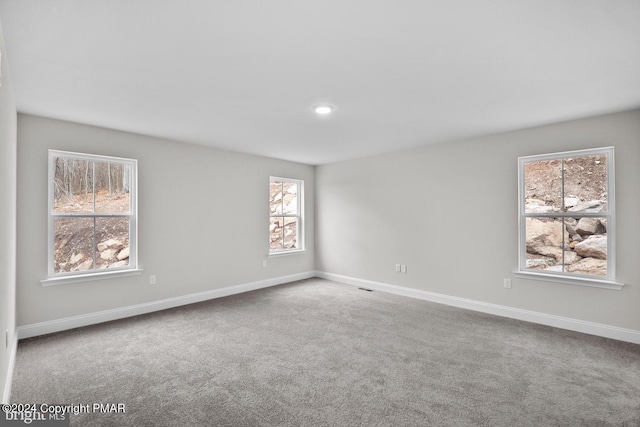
(318, 353)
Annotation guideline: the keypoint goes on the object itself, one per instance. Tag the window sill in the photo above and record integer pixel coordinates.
(64, 280)
(285, 253)
(582, 281)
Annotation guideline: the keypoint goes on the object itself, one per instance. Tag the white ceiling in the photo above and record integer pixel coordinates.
(244, 74)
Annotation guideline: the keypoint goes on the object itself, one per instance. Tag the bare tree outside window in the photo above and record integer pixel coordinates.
(92, 213)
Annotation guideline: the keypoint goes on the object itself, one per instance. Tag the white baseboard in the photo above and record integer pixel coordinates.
(6, 394)
(36, 329)
(613, 332)
(42, 328)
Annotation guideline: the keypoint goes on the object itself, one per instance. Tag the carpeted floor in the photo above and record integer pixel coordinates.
(318, 353)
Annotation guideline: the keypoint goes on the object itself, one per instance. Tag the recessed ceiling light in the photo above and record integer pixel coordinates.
(323, 108)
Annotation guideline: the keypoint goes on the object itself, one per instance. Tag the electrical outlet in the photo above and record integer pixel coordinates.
(397, 268)
(152, 280)
(264, 263)
(403, 268)
(507, 283)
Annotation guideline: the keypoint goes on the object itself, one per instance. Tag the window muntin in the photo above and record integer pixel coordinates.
(285, 210)
(566, 207)
(92, 214)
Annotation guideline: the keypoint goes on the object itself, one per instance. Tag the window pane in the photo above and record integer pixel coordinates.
(72, 185)
(73, 244)
(568, 242)
(113, 181)
(585, 183)
(290, 198)
(284, 207)
(290, 233)
(545, 242)
(276, 228)
(543, 186)
(589, 243)
(582, 249)
(112, 242)
(275, 197)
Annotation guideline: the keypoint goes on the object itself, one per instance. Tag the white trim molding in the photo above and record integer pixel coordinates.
(58, 325)
(563, 213)
(90, 277)
(42, 328)
(6, 394)
(129, 184)
(582, 281)
(299, 215)
(598, 329)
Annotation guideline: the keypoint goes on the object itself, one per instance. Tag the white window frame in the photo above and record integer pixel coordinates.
(299, 216)
(607, 281)
(94, 274)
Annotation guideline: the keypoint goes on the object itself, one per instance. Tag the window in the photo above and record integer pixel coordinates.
(566, 220)
(92, 214)
(285, 222)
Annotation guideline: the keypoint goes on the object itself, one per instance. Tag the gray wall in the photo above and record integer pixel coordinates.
(7, 217)
(449, 212)
(203, 219)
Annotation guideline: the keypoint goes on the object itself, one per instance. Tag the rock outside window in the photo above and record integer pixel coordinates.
(92, 214)
(566, 214)
(286, 216)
